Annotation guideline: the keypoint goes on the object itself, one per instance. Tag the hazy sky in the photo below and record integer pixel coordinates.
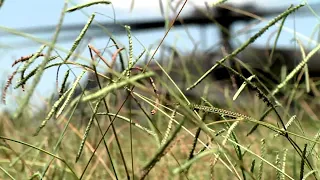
(20, 14)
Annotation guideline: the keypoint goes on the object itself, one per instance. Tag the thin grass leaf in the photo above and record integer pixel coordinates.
(105, 90)
(15, 160)
(90, 3)
(85, 135)
(243, 85)
(70, 94)
(7, 173)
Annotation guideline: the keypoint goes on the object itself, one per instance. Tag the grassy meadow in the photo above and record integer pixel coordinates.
(153, 119)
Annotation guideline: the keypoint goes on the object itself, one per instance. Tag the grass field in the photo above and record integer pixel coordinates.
(142, 123)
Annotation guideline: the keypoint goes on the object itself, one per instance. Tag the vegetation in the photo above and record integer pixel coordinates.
(141, 122)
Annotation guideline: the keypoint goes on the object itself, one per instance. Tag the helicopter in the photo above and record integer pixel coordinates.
(224, 16)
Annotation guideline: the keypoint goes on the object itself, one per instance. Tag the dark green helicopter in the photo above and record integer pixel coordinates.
(266, 63)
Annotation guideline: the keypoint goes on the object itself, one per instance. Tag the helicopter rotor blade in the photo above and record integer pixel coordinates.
(197, 17)
(224, 15)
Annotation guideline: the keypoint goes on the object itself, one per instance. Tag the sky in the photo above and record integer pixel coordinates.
(17, 14)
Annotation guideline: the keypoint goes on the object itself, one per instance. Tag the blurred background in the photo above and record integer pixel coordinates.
(36, 17)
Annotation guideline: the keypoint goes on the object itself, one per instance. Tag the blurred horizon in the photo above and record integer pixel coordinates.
(20, 14)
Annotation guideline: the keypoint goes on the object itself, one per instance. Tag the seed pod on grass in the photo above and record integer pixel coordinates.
(70, 94)
(85, 135)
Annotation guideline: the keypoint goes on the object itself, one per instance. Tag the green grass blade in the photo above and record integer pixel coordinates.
(91, 3)
(117, 85)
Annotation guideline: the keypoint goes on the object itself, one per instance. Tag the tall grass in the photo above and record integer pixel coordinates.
(142, 124)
